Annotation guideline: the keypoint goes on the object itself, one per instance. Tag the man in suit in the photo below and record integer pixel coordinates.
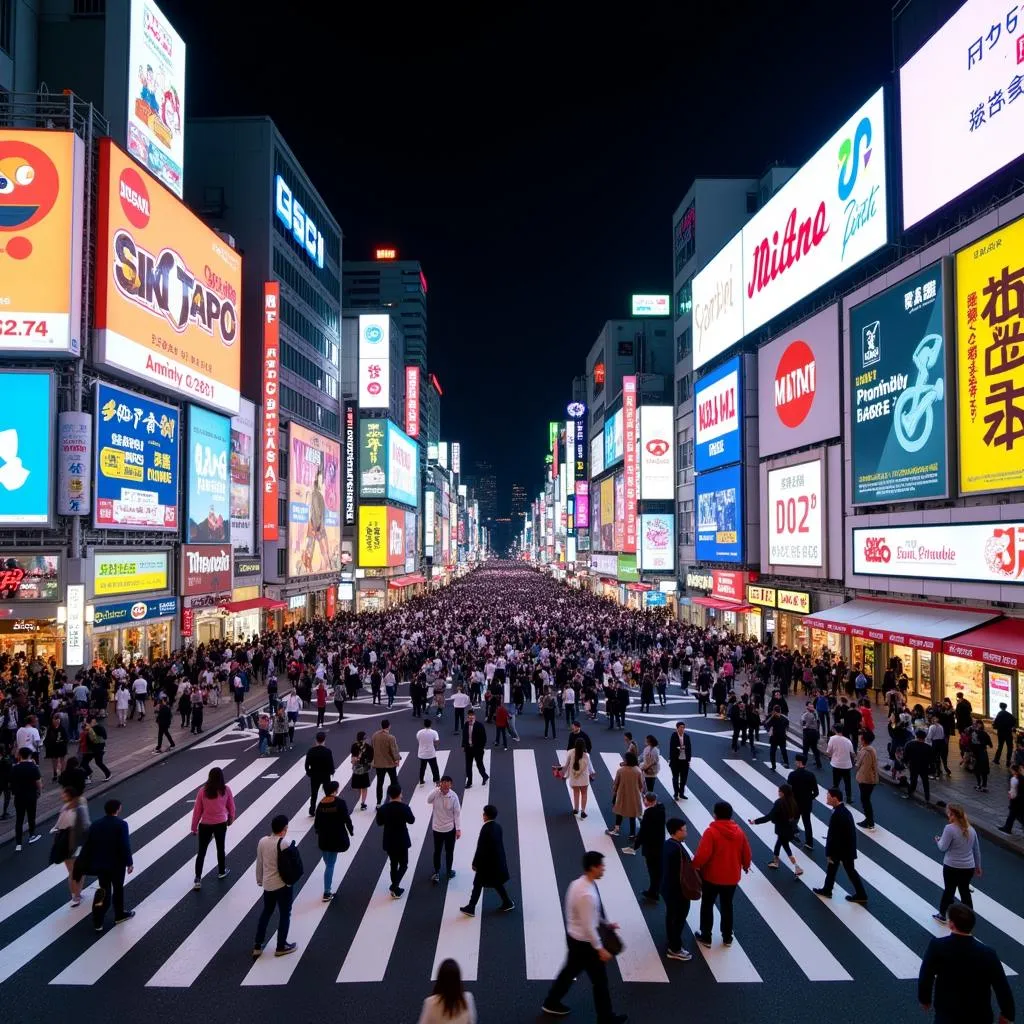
(474, 743)
(805, 792)
(577, 733)
(386, 757)
(841, 848)
(395, 818)
(490, 864)
(319, 768)
(108, 855)
(959, 974)
(677, 905)
(650, 839)
(680, 753)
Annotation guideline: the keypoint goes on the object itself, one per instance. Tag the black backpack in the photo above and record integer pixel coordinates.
(289, 863)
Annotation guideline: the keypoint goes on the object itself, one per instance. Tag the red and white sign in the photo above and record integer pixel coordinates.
(374, 361)
(795, 384)
(977, 552)
(629, 435)
(187, 621)
(332, 597)
(796, 515)
(205, 569)
(657, 453)
(412, 401)
(883, 636)
(271, 411)
(729, 585)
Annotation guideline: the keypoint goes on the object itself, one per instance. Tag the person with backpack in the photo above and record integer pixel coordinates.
(333, 827)
(278, 868)
(680, 884)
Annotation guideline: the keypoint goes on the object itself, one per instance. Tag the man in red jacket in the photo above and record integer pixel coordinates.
(723, 851)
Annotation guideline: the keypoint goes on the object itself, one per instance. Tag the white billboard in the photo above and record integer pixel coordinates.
(961, 111)
(652, 305)
(374, 361)
(156, 94)
(428, 523)
(657, 453)
(597, 455)
(796, 515)
(657, 542)
(718, 303)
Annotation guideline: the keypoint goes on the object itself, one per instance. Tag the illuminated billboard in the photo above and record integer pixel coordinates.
(718, 405)
(720, 515)
(652, 305)
(374, 361)
(382, 537)
(209, 502)
(657, 453)
(658, 542)
(613, 440)
(314, 502)
(27, 428)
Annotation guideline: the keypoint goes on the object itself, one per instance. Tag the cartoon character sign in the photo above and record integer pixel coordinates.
(29, 184)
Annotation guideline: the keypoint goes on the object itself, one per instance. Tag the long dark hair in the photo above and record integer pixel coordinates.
(580, 748)
(788, 801)
(215, 785)
(449, 988)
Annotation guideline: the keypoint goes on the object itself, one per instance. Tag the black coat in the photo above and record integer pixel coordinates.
(805, 787)
(574, 736)
(958, 976)
(477, 741)
(841, 841)
(489, 861)
(319, 762)
(673, 747)
(333, 825)
(651, 836)
(395, 818)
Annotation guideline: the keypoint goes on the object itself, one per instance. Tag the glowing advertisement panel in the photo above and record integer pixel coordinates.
(658, 542)
(720, 515)
(27, 425)
(209, 502)
(718, 405)
(613, 440)
(314, 502)
(796, 515)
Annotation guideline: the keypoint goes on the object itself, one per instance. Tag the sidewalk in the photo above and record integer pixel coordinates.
(130, 751)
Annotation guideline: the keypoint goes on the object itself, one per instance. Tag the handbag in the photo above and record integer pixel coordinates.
(610, 938)
(556, 771)
(61, 849)
(689, 880)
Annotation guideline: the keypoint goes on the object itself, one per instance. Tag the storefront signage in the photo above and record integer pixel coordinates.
(652, 305)
(134, 611)
(412, 401)
(137, 451)
(74, 627)
(796, 515)
(718, 303)
(74, 458)
(793, 601)
(188, 622)
(655, 599)
(209, 500)
(350, 463)
(297, 603)
(597, 455)
(626, 569)
(764, 596)
(899, 383)
(974, 652)
(613, 439)
(403, 466)
(728, 585)
(456, 457)
(630, 466)
(582, 508)
(205, 569)
(429, 514)
(26, 447)
(657, 453)
(699, 580)
(658, 542)
(130, 572)
(270, 412)
(720, 515)
(1000, 691)
(314, 502)
(718, 405)
(243, 437)
(374, 361)
(248, 565)
(21, 627)
(978, 552)
(332, 601)
(990, 360)
(291, 214)
(605, 564)
(30, 577)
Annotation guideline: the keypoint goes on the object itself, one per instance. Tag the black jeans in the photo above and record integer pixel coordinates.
(676, 912)
(549, 719)
(315, 782)
(478, 889)
(24, 809)
(460, 720)
(321, 714)
(399, 865)
(111, 884)
(724, 894)
(653, 875)
(478, 757)
(842, 776)
(434, 773)
(811, 737)
(339, 706)
(833, 869)
(807, 818)
(1005, 740)
(501, 734)
(780, 746)
(445, 841)
(940, 754)
(582, 958)
(680, 774)
(866, 789)
(163, 732)
(923, 776)
(953, 879)
(281, 900)
(392, 775)
(206, 833)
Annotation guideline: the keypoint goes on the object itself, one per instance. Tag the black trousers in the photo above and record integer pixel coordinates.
(444, 841)
(680, 774)
(676, 912)
(478, 757)
(460, 720)
(940, 756)
(549, 719)
(842, 776)
(206, 833)
(321, 714)
(953, 879)
(111, 885)
(24, 809)
(434, 773)
(339, 706)
(162, 733)
(866, 789)
(811, 737)
(478, 888)
(315, 782)
(806, 819)
(1005, 740)
(780, 746)
(280, 900)
(923, 776)
(848, 864)
(392, 775)
(582, 958)
(399, 865)
(653, 874)
(724, 895)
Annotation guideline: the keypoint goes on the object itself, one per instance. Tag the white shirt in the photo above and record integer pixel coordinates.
(139, 687)
(582, 911)
(122, 699)
(428, 740)
(461, 700)
(840, 752)
(292, 702)
(568, 695)
(447, 811)
(28, 736)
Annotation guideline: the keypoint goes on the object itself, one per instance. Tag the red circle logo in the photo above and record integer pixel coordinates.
(134, 196)
(373, 388)
(795, 384)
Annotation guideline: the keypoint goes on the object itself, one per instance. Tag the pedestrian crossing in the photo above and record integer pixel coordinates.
(177, 936)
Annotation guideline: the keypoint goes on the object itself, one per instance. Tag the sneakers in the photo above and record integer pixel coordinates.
(288, 947)
(825, 894)
(1005, 831)
(397, 893)
(197, 885)
(629, 851)
(555, 1009)
(869, 825)
(726, 941)
(451, 874)
(704, 940)
(506, 907)
(614, 831)
(773, 863)
(126, 916)
(808, 847)
(679, 954)
(862, 900)
(940, 917)
(76, 902)
(257, 951)
(435, 878)
(17, 849)
(328, 896)
(34, 839)
(224, 873)
(583, 814)
(468, 911)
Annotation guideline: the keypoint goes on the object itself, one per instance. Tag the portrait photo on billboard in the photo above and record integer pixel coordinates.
(720, 515)
(209, 502)
(900, 388)
(314, 502)
(27, 425)
(243, 453)
(718, 411)
(798, 390)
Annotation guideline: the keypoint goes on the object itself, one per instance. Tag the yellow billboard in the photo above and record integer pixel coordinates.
(41, 178)
(990, 361)
(130, 572)
(607, 502)
(373, 536)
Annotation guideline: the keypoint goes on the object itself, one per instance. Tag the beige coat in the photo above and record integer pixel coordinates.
(385, 749)
(867, 766)
(627, 792)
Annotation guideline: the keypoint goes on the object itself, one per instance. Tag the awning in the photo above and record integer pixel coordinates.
(268, 604)
(406, 581)
(639, 588)
(924, 626)
(609, 581)
(1001, 643)
(723, 606)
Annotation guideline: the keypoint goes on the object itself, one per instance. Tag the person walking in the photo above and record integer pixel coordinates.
(680, 753)
(321, 703)
(446, 825)
(777, 727)
(722, 856)
(579, 770)
(783, 816)
(395, 817)
(339, 700)
(501, 720)
(841, 849)
(867, 777)
(361, 761)
(55, 745)
(548, 709)
(333, 826)
(627, 789)
(26, 783)
(292, 707)
(980, 744)
(164, 715)
(918, 757)
(427, 740)
(107, 854)
(587, 953)
(490, 865)
(805, 791)
(71, 829)
(474, 743)
(650, 840)
(386, 757)
(461, 703)
(959, 975)
(1005, 725)
(961, 858)
(277, 893)
(677, 903)
(840, 755)
(650, 762)
(1015, 797)
(809, 727)
(320, 768)
(212, 813)
(96, 746)
(450, 1003)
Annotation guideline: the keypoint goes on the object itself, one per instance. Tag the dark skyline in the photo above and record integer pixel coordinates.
(531, 163)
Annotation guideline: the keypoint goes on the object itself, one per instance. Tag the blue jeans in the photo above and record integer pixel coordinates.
(330, 859)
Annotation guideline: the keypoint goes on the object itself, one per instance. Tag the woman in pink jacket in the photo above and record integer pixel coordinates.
(214, 810)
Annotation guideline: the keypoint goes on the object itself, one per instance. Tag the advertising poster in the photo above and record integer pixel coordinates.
(613, 440)
(350, 463)
(137, 443)
(657, 453)
(796, 515)
(205, 569)
(990, 361)
(718, 401)
(410, 541)
(34, 577)
(607, 509)
(209, 504)
(168, 289)
(412, 401)
(41, 241)
(403, 470)
(595, 516)
(619, 533)
(899, 388)
(26, 448)
(382, 537)
(130, 572)
(597, 455)
(720, 516)
(373, 456)
(582, 505)
(374, 361)
(658, 542)
(718, 303)
(631, 469)
(270, 412)
(243, 450)
(74, 462)
(314, 502)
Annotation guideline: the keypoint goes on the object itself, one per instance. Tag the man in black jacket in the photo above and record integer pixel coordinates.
(1004, 725)
(319, 767)
(776, 727)
(959, 974)
(680, 752)
(917, 755)
(677, 906)
(841, 848)
(577, 733)
(805, 792)
(164, 715)
(474, 743)
(395, 818)
(650, 840)
(108, 855)
(490, 864)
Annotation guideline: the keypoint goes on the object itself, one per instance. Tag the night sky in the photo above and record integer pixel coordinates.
(532, 164)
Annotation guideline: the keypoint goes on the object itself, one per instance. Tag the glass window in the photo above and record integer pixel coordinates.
(289, 275)
(6, 24)
(684, 299)
(684, 344)
(683, 389)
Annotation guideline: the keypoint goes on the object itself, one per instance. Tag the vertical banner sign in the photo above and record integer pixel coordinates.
(271, 413)
(332, 596)
(553, 447)
(74, 454)
(990, 361)
(74, 630)
(350, 463)
(456, 457)
(629, 434)
(412, 401)
(187, 621)
(243, 430)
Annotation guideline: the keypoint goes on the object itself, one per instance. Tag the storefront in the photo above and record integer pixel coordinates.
(40, 637)
(726, 608)
(637, 593)
(243, 613)
(127, 631)
(371, 594)
(30, 612)
(782, 617)
(987, 665)
(698, 585)
(405, 588)
(296, 610)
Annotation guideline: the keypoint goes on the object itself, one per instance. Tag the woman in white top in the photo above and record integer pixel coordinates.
(450, 1003)
(122, 701)
(579, 771)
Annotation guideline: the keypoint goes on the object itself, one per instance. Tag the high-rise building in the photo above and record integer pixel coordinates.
(486, 485)
(520, 503)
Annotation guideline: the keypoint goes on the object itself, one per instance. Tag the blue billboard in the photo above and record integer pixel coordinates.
(209, 497)
(136, 461)
(27, 418)
(613, 446)
(718, 409)
(403, 466)
(720, 516)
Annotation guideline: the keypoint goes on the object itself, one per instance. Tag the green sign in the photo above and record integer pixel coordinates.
(373, 459)
(627, 570)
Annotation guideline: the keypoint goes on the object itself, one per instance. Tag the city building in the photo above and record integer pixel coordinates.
(485, 482)
(519, 502)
